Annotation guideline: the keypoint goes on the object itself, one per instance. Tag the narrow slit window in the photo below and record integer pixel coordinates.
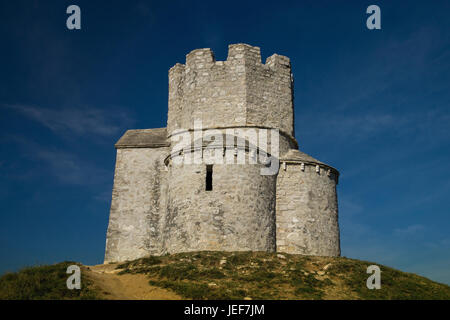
(209, 172)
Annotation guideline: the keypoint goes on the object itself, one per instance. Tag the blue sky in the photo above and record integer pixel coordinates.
(374, 104)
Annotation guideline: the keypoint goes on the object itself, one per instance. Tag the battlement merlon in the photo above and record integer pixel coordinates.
(200, 59)
(240, 53)
(240, 91)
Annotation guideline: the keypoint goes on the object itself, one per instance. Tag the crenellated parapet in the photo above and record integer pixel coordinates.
(241, 91)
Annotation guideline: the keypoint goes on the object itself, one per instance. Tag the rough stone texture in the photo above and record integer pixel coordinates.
(307, 209)
(241, 200)
(240, 91)
(160, 205)
(138, 192)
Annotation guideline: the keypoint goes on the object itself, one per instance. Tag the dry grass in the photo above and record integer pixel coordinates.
(221, 275)
(43, 283)
(260, 275)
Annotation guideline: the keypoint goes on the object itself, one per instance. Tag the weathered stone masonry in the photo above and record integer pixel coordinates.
(162, 206)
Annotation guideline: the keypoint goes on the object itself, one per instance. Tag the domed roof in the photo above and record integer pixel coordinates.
(294, 155)
(228, 141)
(297, 155)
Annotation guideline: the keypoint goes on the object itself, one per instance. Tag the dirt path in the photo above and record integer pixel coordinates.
(125, 287)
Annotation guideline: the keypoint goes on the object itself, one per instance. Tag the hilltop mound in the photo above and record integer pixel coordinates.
(229, 275)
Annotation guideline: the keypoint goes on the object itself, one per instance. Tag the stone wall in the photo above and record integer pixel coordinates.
(237, 214)
(137, 204)
(307, 210)
(240, 91)
(269, 100)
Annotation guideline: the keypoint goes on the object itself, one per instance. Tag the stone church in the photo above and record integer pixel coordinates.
(162, 203)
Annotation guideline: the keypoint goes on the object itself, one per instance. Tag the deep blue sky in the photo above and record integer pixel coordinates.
(374, 104)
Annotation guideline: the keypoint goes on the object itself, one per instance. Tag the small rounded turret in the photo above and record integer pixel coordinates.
(307, 209)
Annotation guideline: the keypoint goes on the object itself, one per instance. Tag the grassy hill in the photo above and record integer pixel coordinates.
(224, 275)
(43, 282)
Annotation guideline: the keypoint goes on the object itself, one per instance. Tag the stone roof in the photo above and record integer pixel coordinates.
(299, 156)
(228, 140)
(143, 138)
